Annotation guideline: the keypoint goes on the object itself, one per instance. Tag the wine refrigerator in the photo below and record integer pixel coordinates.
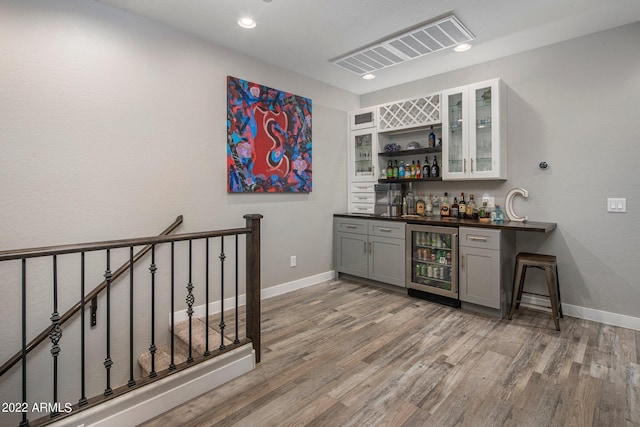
(432, 263)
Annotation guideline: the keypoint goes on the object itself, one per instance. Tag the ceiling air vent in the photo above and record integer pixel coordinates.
(421, 41)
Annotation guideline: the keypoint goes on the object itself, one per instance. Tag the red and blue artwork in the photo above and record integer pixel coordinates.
(268, 139)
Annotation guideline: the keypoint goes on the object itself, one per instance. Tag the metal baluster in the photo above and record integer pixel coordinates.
(236, 341)
(190, 299)
(222, 324)
(131, 382)
(172, 365)
(152, 347)
(107, 361)
(25, 421)
(83, 396)
(55, 334)
(206, 308)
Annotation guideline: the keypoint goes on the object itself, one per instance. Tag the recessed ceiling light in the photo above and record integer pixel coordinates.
(247, 22)
(369, 76)
(462, 47)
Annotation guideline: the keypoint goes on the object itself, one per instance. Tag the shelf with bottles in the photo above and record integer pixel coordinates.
(442, 281)
(403, 180)
(412, 152)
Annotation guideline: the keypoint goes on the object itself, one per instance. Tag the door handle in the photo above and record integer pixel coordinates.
(364, 247)
(370, 248)
(472, 165)
(478, 239)
(462, 262)
(386, 230)
(465, 165)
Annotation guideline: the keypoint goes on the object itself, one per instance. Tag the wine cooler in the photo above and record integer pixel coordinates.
(432, 263)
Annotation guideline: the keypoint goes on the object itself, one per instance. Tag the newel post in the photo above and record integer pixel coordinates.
(253, 281)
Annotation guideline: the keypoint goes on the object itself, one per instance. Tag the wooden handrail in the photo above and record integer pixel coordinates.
(56, 250)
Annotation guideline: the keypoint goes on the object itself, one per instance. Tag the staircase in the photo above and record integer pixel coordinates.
(181, 344)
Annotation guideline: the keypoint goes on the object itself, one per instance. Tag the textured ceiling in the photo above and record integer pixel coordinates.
(304, 36)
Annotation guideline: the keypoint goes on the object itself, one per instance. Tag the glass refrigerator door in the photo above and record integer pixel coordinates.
(434, 261)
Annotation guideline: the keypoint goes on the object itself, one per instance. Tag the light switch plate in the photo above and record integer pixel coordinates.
(616, 204)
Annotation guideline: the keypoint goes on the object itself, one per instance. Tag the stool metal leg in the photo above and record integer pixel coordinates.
(517, 288)
(558, 286)
(551, 284)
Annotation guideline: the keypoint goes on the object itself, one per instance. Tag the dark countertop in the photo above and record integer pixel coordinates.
(539, 227)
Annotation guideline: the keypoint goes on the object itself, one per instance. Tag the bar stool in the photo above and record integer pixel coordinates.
(549, 264)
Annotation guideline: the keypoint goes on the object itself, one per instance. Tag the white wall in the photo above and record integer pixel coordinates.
(112, 125)
(575, 105)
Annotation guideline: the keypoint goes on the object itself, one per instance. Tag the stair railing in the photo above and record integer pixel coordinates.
(91, 296)
(54, 332)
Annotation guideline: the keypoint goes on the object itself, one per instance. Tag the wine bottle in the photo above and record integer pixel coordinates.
(444, 206)
(418, 170)
(390, 170)
(395, 169)
(435, 169)
(462, 207)
(426, 169)
(455, 208)
(432, 138)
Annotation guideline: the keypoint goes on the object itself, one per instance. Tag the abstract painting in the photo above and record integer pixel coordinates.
(268, 139)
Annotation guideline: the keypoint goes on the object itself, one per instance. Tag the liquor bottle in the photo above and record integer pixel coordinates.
(432, 138)
(462, 207)
(455, 208)
(426, 170)
(418, 170)
(436, 205)
(470, 207)
(498, 215)
(435, 169)
(444, 206)
(401, 169)
(411, 201)
(429, 205)
(390, 170)
(483, 211)
(420, 204)
(413, 169)
(395, 169)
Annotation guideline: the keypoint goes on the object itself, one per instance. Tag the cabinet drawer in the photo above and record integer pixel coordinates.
(362, 208)
(362, 198)
(387, 229)
(479, 238)
(363, 187)
(351, 225)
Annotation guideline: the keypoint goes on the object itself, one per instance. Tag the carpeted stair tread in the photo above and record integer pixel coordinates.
(198, 341)
(163, 357)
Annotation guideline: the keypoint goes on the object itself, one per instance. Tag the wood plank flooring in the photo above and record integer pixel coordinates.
(346, 354)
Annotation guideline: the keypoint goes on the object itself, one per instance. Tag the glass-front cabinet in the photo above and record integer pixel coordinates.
(364, 155)
(474, 131)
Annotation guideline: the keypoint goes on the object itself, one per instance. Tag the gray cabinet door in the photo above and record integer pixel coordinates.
(480, 276)
(351, 254)
(387, 261)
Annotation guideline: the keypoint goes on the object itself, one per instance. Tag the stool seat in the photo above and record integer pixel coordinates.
(549, 264)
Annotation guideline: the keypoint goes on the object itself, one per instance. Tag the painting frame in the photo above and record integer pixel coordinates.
(269, 139)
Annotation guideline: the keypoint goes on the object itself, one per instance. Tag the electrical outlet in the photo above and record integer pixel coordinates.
(293, 261)
(616, 204)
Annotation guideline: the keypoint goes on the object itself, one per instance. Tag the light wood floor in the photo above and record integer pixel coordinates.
(340, 353)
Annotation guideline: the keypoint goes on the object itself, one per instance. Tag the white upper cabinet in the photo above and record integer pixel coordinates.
(409, 113)
(362, 119)
(474, 137)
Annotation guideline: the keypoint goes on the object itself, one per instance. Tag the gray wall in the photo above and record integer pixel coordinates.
(575, 105)
(112, 125)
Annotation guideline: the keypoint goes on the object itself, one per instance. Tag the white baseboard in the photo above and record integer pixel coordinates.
(216, 306)
(585, 313)
(156, 398)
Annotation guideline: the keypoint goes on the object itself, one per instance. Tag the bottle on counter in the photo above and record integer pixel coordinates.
(470, 207)
(455, 207)
(432, 138)
(444, 206)
(426, 169)
(420, 205)
(435, 169)
(498, 215)
(435, 201)
(462, 207)
(429, 205)
(411, 201)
